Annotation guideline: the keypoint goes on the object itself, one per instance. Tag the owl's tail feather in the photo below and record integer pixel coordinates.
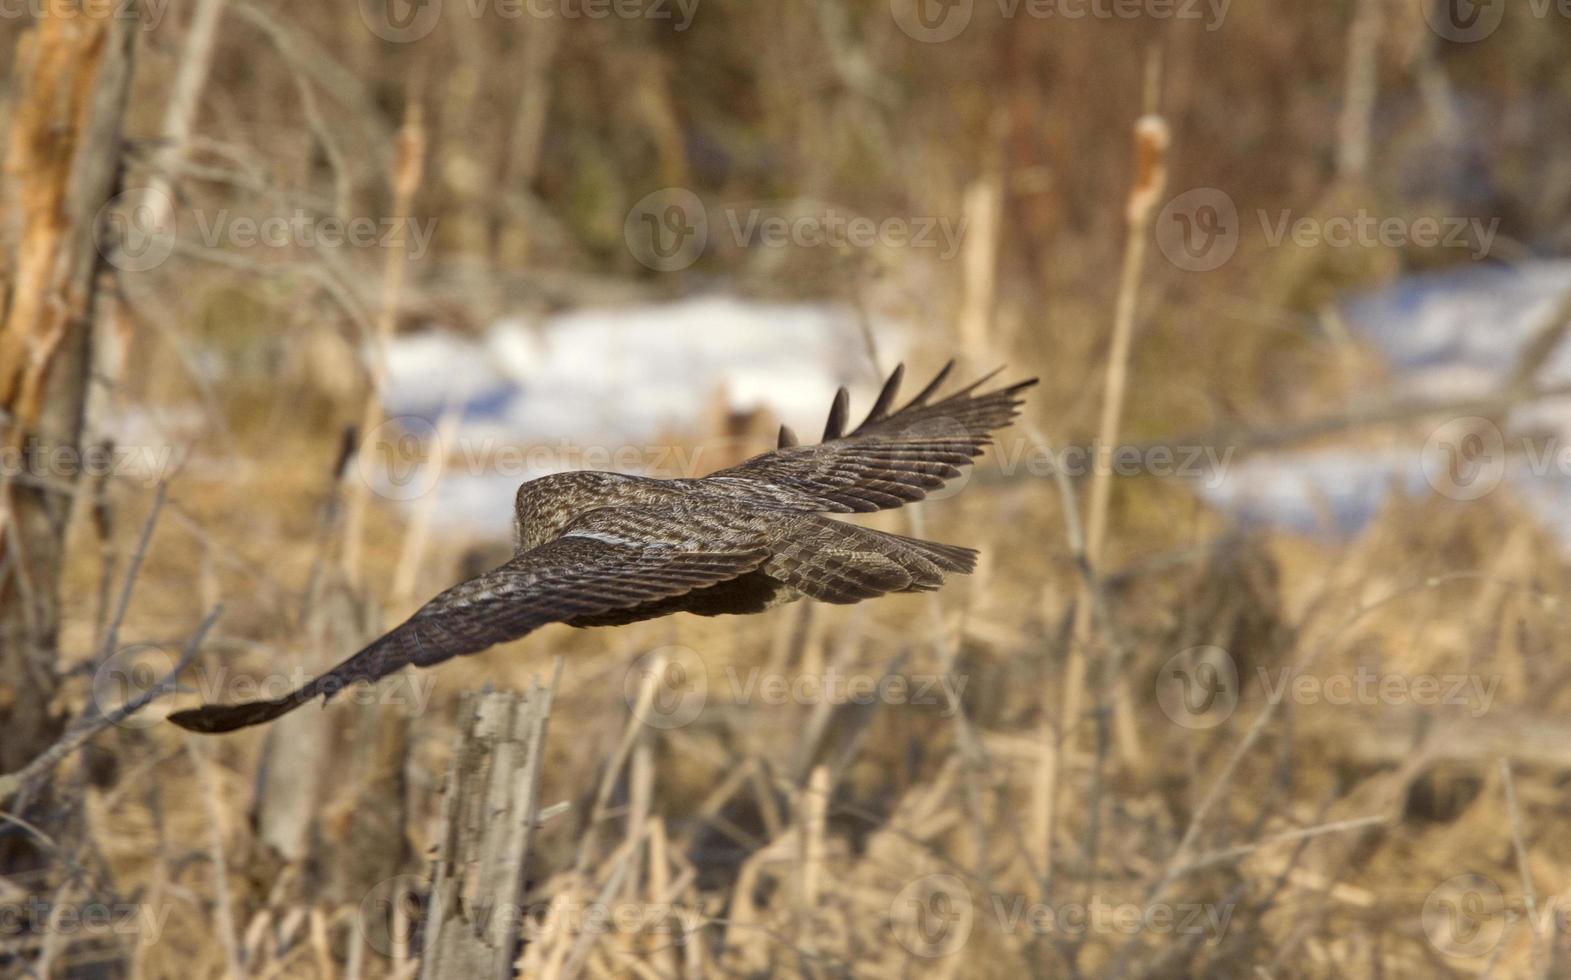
(833, 561)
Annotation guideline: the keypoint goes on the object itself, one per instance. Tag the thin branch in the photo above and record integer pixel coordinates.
(1214, 795)
(94, 723)
(1518, 844)
(1381, 413)
(132, 572)
(1231, 854)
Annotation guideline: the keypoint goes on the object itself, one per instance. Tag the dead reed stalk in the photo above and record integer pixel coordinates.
(408, 167)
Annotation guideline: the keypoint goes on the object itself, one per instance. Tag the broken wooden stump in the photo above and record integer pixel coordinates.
(475, 912)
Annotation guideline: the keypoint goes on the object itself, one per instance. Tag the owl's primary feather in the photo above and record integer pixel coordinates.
(603, 549)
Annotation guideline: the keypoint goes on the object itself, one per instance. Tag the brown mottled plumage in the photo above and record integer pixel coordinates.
(602, 549)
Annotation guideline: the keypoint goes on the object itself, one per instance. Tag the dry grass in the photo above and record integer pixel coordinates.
(795, 834)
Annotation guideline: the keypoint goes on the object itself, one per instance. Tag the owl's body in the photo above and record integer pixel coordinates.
(808, 555)
(604, 549)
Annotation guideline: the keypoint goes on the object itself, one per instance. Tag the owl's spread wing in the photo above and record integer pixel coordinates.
(612, 558)
(891, 459)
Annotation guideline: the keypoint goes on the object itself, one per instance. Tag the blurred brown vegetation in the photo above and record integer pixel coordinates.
(811, 838)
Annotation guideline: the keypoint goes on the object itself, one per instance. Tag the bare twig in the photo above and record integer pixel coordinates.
(1180, 858)
(215, 850)
(1519, 845)
(1292, 836)
(1360, 88)
(1383, 412)
(95, 723)
(196, 58)
(408, 167)
(133, 569)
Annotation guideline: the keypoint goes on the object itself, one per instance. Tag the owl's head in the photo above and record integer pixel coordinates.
(544, 507)
(529, 525)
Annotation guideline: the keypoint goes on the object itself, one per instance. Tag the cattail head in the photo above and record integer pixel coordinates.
(1152, 137)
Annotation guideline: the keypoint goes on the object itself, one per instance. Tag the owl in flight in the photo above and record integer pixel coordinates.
(603, 549)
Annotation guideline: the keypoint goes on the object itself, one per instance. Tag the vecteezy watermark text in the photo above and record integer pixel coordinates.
(137, 670)
(940, 691)
(1466, 21)
(1466, 458)
(35, 915)
(679, 13)
(669, 687)
(149, 12)
(1366, 230)
(1206, 464)
(1199, 687)
(1467, 915)
(935, 916)
(404, 21)
(140, 228)
(1200, 230)
(148, 464)
(403, 457)
(670, 229)
(392, 912)
(753, 227)
(936, 21)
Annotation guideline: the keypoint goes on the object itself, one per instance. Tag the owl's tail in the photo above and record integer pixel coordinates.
(833, 561)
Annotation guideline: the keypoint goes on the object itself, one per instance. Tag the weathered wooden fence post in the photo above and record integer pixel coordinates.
(475, 914)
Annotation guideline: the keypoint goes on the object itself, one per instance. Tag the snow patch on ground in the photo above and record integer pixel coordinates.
(1452, 334)
(602, 388)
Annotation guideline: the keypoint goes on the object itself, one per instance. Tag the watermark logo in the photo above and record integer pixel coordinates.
(400, 21)
(1198, 687)
(394, 912)
(932, 21)
(668, 230)
(1213, 12)
(403, 457)
(1465, 916)
(24, 916)
(759, 226)
(399, 458)
(135, 230)
(667, 687)
(676, 924)
(1202, 464)
(390, 914)
(139, 229)
(148, 464)
(932, 916)
(937, 21)
(403, 21)
(129, 674)
(149, 12)
(679, 12)
(1198, 230)
(670, 686)
(1465, 458)
(1368, 687)
(1101, 917)
(1464, 21)
(941, 692)
(1365, 230)
(410, 690)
